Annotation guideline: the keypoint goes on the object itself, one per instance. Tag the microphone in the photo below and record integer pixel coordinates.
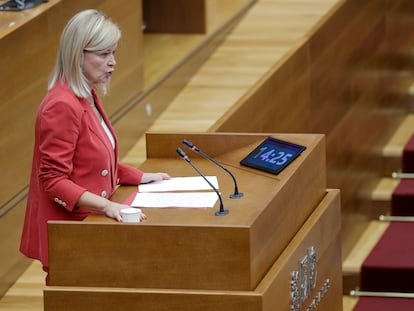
(236, 194)
(221, 211)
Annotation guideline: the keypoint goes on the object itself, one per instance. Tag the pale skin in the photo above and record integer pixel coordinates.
(98, 68)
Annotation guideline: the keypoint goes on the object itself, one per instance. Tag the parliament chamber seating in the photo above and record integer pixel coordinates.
(343, 75)
(386, 266)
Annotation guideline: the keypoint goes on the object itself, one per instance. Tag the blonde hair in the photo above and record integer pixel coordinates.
(89, 30)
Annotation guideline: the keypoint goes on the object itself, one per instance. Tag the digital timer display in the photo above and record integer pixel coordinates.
(273, 155)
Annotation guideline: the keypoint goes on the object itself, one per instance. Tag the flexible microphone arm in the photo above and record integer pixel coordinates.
(221, 211)
(236, 194)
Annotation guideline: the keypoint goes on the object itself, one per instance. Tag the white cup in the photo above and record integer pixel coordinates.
(131, 214)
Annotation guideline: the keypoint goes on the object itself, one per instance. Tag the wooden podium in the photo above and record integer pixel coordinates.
(277, 249)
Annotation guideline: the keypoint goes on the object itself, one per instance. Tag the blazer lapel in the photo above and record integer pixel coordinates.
(96, 127)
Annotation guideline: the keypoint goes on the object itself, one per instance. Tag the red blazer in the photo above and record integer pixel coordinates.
(72, 154)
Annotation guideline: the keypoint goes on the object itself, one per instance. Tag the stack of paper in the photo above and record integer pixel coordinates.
(169, 193)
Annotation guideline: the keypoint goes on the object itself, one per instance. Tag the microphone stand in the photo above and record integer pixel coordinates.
(236, 194)
(221, 211)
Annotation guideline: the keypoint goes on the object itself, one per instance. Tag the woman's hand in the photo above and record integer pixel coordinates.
(113, 210)
(99, 204)
(150, 177)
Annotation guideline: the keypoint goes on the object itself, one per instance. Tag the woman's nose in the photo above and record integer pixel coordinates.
(112, 60)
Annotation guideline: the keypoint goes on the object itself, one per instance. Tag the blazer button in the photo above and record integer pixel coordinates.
(104, 173)
(103, 194)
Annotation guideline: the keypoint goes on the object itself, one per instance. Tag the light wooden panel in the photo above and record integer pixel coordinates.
(327, 85)
(166, 79)
(265, 36)
(27, 291)
(23, 86)
(12, 262)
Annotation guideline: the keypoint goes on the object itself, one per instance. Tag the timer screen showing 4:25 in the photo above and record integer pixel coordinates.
(273, 155)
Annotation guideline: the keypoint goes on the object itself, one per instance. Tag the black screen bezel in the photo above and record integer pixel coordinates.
(248, 160)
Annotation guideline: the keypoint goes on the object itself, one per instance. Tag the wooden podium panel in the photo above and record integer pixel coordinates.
(189, 248)
(321, 231)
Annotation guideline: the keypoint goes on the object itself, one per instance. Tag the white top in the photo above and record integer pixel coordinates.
(108, 133)
(104, 125)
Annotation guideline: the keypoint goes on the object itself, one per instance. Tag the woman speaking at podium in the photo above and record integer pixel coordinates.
(75, 165)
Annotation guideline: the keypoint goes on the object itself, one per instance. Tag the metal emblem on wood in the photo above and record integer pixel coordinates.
(304, 281)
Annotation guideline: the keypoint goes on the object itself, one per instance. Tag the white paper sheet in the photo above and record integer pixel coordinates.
(180, 184)
(175, 199)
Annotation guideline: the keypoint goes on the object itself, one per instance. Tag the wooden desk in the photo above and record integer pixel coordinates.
(321, 230)
(179, 257)
(238, 238)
